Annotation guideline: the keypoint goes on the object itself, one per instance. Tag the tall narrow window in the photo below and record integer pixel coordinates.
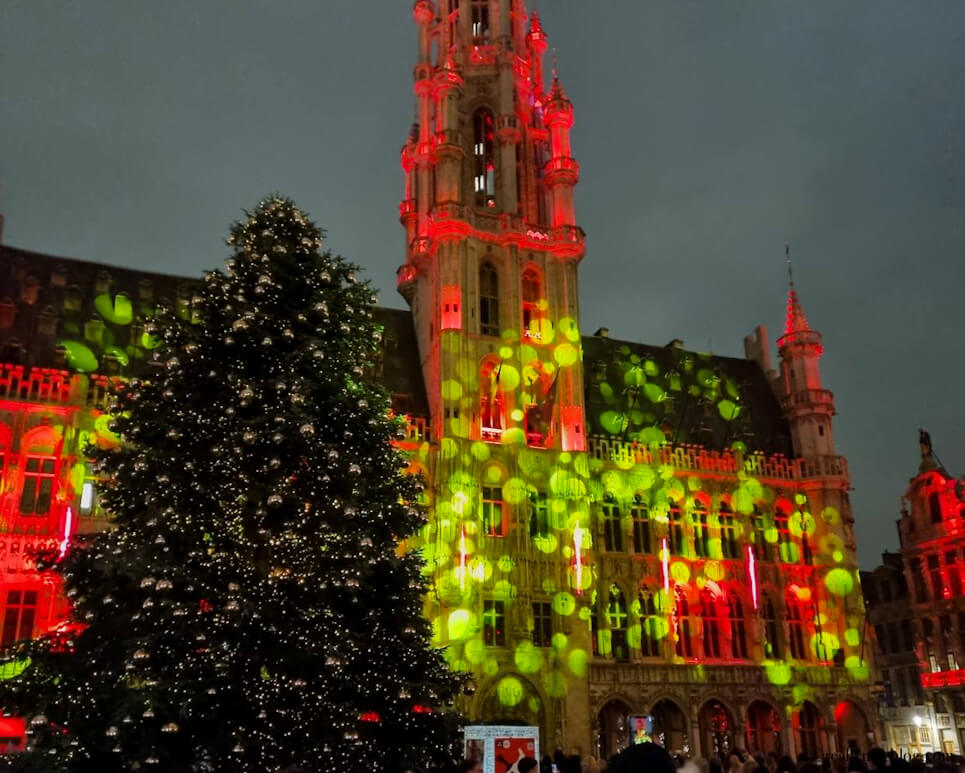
(492, 511)
(917, 582)
(616, 613)
(728, 532)
(494, 623)
(935, 577)
(762, 547)
(539, 516)
(38, 485)
(484, 155)
(796, 629)
(711, 623)
(480, 21)
(488, 300)
(786, 549)
(651, 633)
(684, 646)
(954, 581)
(698, 518)
(642, 532)
(542, 624)
(772, 631)
(533, 304)
(492, 410)
(612, 525)
(676, 530)
(935, 507)
(451, 303)
(738, 628)
(19, 614)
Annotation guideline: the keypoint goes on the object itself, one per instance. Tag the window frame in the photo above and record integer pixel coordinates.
(491, 502)
(14, 627)
(42, 483)
(494, 622)
(542, 634)
(488, 299)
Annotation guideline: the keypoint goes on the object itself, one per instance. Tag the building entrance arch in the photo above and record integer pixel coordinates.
(762, 731)
(614, 728)
(670, 727)
(716, 729)
(807, 725)
(853, 727)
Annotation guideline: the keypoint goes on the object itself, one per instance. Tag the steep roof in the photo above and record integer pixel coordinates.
(649, 393)
(89, 317)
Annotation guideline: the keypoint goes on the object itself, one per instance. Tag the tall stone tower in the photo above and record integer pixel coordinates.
(827, 535)
(492, 246)
(492, 250)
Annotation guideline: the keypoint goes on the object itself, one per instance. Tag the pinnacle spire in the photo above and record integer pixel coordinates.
(795, 321)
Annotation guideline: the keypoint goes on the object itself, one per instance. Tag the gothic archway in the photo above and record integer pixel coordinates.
(716, 729)
(614, 728)
(762, 732)
(853, 727)
(511, 699)
(807, 723)
(670, 727)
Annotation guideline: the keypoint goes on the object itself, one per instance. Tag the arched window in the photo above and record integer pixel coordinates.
(698, 518)
(612, 525)
(484, 155)
(492, 511)
(652, 627)
(539, 518)
(762, 546)
(796, 628)
(786, 549)
(728, 532)
(39, 474)
(534, 304)
(773, 647)
(616, 613)
(488, 300)
(738, 628)
(676, 530)
(711, 623)
(480, 21)
(684, 625)
(492, 408)
(642, 533)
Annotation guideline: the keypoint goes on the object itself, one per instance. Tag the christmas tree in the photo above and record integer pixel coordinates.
(251, 608)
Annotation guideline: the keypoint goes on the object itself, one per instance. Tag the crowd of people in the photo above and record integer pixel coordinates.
(651, 758)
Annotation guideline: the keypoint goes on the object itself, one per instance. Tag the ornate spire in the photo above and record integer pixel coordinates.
(795, 321)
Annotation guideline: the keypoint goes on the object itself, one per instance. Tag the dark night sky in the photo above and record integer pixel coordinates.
(709, 133)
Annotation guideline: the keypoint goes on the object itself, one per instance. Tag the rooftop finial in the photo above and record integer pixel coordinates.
(556, 66)
(787, 260)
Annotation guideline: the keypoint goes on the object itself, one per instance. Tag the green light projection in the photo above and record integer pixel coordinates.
(548, 503)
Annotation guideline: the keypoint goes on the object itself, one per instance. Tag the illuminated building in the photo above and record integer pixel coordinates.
(908, 723)
(932, 536)
(616, 530)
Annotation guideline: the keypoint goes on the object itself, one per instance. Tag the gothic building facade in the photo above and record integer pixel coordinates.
(625, 541)
(916, 605)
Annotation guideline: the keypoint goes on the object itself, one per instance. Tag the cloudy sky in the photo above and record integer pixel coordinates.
(709, 133)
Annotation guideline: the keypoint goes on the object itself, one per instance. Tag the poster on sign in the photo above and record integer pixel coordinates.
(499, 748)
